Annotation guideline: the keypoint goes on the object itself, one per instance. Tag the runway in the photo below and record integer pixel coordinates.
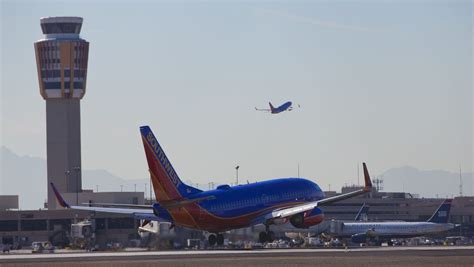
(386, 256)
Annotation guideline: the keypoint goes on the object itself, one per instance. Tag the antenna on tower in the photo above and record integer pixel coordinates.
(460, 182)
(378, 183)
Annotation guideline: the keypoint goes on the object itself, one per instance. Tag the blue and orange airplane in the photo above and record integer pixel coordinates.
(287, 106)
(271, 202)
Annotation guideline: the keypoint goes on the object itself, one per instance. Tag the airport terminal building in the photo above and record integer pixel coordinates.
(25, 227)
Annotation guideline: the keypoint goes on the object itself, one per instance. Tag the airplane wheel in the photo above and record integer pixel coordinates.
(212, 239)
(220, 239)
(263, 237)
(270, 236)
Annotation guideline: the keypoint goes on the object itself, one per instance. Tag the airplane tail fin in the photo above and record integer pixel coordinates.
(363, 213)
(166, 182)
(59, 198)
(367, 180)
(441, 215)
(272, 108)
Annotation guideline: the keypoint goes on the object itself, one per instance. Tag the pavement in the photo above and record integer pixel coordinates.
(377, 256)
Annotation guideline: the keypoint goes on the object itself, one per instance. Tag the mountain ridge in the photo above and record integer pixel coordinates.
(18, 171)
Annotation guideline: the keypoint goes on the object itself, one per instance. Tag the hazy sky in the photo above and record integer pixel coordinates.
(387, 83)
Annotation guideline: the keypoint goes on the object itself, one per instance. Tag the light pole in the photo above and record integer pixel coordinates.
(150, 188)
(77, 169)
(67, 172)
(237, 174)
(144, 193)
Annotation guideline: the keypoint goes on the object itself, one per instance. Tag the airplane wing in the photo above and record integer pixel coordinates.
(166, 205)
(137, 211)
(262, 109)
(287, 212)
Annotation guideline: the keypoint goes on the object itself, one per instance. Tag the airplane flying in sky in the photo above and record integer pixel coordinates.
(361, 232)
(271, 202)
(288, 106)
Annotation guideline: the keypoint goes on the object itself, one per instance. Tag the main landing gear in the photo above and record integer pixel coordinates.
(214, 239)
(267, 236)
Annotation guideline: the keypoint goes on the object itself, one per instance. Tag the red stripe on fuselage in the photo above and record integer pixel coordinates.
(212, 223)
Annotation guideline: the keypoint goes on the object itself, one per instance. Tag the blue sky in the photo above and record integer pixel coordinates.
(387, 83)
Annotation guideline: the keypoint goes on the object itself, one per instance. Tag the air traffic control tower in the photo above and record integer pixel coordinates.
(61, 58)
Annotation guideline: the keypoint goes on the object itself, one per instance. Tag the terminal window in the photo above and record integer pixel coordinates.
(8, 226)
(33, 225)
(121, 223)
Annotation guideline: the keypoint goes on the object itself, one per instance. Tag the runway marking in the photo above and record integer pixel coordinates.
(218, 252)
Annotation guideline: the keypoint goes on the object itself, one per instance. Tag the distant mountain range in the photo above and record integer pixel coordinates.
(26, 176)
(426, 183)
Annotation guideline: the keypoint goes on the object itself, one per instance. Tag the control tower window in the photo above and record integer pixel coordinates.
(51, 28)
(78, 85)
(52, 85)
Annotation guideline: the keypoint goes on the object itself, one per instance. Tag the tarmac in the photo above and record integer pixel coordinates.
(379, 256)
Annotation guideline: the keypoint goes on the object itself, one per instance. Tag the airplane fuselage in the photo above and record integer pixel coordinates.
(281, 108)
(394, 229)
(237, 206)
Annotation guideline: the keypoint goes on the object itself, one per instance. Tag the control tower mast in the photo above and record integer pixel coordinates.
(61, 59)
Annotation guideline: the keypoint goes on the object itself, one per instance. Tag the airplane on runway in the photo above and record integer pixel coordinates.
(323, 227)
(287, 106)
(362, 232)
(271, 202)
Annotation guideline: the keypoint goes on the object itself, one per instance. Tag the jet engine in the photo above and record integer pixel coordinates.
(359, 238)
(307, 219)
(364, 237)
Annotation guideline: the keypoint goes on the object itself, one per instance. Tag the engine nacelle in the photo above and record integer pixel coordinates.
(279, 221)
(370, 235)
(359, 238)
(307, 219)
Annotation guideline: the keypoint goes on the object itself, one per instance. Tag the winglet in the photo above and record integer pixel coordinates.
(60, 199)
(368, 182)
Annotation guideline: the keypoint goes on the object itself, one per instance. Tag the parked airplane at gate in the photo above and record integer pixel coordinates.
(287, 106)
(271, 202)
(361, 232)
